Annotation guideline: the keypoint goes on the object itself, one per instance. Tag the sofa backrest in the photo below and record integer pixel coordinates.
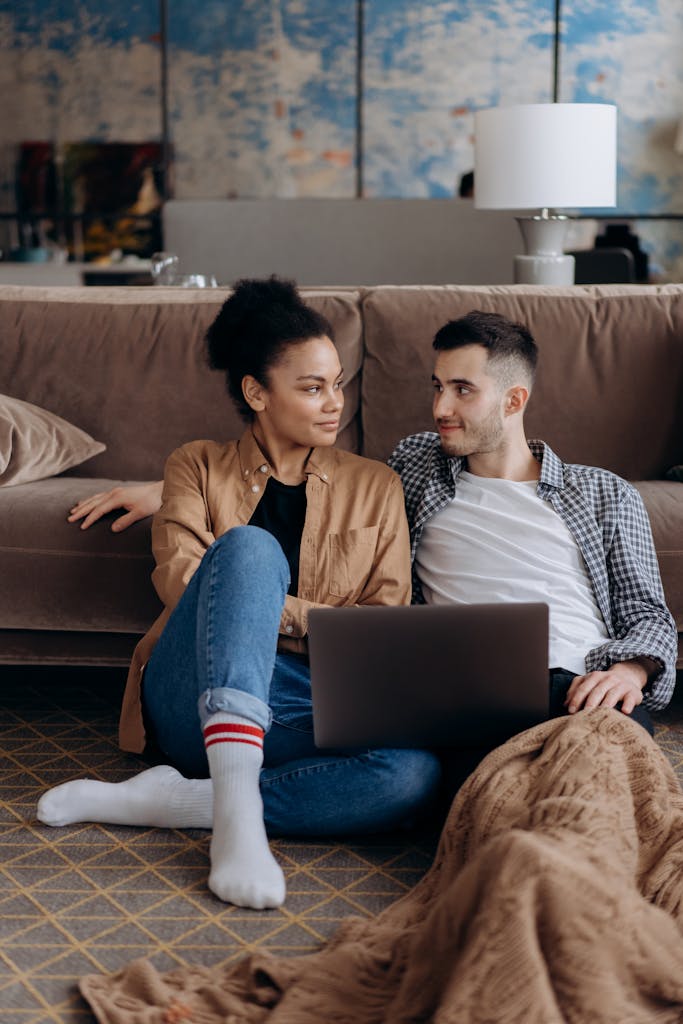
(609, 390)
(128, 366)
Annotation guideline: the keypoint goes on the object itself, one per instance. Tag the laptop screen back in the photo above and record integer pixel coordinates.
(428, 675)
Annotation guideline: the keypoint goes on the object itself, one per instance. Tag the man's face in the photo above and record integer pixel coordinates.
(468, 402)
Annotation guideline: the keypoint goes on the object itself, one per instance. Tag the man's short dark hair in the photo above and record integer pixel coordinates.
(510, 345)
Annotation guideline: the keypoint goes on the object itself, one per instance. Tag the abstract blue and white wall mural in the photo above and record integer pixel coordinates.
(428, 67)
(269, 98)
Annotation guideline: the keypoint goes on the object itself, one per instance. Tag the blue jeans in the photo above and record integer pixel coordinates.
(218, 652)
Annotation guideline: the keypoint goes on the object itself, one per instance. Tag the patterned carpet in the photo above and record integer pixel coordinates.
(89, 898)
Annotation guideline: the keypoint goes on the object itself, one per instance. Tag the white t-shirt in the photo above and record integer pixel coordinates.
(498, 541)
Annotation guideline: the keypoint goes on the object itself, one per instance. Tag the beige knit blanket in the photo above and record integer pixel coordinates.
(556, 895)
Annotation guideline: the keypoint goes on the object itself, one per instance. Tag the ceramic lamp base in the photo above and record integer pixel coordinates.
(543, 261)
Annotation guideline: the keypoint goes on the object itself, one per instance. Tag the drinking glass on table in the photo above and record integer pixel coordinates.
(164, 267)
(194, 281)
(166, 271)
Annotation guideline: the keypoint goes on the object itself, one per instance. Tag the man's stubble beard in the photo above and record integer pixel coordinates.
(482, 439)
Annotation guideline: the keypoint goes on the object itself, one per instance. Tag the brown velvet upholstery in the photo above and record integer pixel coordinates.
(664, 504)
(609, 390)
(58, 577)
(35, 444)
(127, 365)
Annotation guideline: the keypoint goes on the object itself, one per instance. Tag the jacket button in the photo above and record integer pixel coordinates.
(255, 488)
(289, 629)
(264, 469)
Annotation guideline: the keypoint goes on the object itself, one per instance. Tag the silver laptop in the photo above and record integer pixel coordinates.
(460, 676)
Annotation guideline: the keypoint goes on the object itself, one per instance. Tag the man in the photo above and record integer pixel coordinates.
(495, 517)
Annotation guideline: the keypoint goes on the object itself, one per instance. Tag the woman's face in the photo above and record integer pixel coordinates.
(302, 402)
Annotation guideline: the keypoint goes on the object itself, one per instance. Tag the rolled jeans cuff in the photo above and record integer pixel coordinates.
(234, 702)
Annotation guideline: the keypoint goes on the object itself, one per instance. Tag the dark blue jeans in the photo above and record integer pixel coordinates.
(560, 681)
(218, 652)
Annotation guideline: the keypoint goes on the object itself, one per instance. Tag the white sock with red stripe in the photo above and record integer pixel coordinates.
(243, 870)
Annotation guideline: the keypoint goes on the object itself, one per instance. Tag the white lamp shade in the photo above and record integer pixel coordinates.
(545, 155)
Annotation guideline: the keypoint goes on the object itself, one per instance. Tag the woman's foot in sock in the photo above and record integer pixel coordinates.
(243, 869)
(158, 797)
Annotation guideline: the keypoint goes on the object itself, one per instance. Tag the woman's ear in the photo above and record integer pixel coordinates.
(253, 393)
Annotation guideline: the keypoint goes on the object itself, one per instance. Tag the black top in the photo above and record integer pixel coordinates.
(282, 512)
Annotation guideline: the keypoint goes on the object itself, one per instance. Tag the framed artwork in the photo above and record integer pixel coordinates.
(94, 197)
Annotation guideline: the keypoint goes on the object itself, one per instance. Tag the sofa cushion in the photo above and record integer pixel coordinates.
(664, 503)
(128, 365)
(35, 444)
(56, 576)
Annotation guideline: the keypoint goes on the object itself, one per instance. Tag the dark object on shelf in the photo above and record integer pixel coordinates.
(36, 182)
(35, 254)
(603, 266)
(466, 185)
(620, 236)
(94, 275)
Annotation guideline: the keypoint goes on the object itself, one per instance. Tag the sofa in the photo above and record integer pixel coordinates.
(127, 366)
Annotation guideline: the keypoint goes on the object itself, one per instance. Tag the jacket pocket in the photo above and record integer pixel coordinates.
(352, 556)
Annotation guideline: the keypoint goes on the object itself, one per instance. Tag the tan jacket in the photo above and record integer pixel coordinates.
(354, 545)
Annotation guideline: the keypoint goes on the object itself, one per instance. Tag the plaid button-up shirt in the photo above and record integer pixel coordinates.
(607, 518)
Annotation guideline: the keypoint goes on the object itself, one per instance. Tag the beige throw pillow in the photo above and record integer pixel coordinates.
(34, 443)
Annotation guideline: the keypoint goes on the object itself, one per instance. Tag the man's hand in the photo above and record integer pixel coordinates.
(139, 500)
(622, 682)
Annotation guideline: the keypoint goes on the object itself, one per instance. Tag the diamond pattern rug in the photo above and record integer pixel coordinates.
(89, 898)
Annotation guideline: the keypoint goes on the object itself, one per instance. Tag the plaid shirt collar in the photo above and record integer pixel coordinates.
(441, 473)
(552, 468)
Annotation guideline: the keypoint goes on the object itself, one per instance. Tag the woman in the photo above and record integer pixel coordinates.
(251, 535)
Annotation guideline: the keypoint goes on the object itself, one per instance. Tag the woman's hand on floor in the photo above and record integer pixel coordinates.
(139, 501)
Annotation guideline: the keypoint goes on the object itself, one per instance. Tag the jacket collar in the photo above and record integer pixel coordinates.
(320, 463)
